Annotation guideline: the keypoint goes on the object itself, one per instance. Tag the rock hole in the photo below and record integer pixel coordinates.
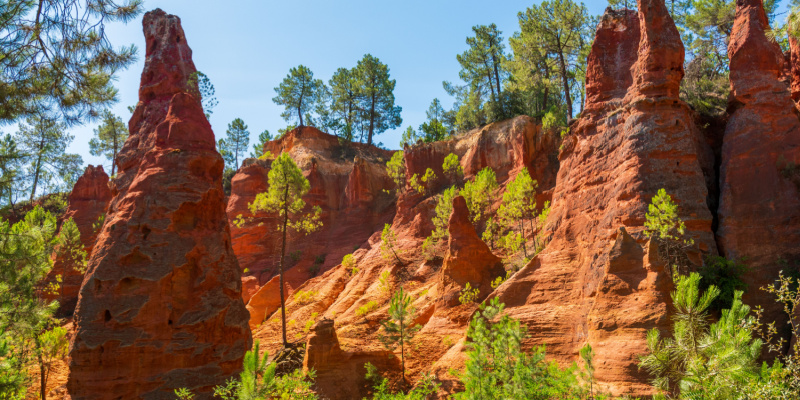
(107, 316)
(169, 322)
(145, 232)
(178, 39)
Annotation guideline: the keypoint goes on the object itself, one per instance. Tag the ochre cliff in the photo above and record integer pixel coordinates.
(86, 204)
(348, 182)
(160, 307)
(759, 213)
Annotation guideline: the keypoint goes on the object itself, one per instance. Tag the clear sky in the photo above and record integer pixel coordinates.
(246, 48)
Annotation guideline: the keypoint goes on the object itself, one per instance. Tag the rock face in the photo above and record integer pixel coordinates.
(759, 214)
(266, 301)
(615, 159)
(160, 307)
(350, 185)
(87, 203)
(468, 259)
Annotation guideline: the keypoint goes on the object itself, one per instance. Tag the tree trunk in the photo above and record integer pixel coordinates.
(371, 118)
(283, 257)
(37, 169)
(565, 80)
(42, 371)
(497, 79)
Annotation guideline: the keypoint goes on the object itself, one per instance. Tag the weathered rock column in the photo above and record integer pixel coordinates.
(759, 213)
(160, 307)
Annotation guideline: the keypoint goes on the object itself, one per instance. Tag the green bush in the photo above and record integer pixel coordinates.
(724, 274)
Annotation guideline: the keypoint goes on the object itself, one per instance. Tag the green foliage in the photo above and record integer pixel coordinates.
(724, 274)
(663, 224)
(424, 388)
(305, 296)
(444, 207)
(399, 329)
(383, 282)
(287, 186)
(201, 87)
(349, 263)
(51, 346)
(468, 294)
(367, 308)
(109, 138)
(409, 137)
(519, 204)
(782, 379)
(49, 168)
(587, 354)
(497, 368)
(344, 108)
(396, 168)
(702, 361)
(483, 74)
(389, 244)
(452, 168)
(259, 381)
(299, 93)
(258, 146)
(555, 121)
(25, 260)
(70, 251)
(489, 234)
(552, 44)
(478, 193)
(57, 57)
(434, 129)
(233, 146)
(375, 93)
(421, 185)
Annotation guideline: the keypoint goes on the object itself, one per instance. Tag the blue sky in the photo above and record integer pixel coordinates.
(247, 47)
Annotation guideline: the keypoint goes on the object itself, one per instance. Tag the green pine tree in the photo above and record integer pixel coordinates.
(109, 138)
(287, 186)
(400, 329)
(375, 93)
(232, 148)
(299, 93)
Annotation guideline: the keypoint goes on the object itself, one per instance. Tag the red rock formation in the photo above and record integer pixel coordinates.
(350, 185)
(249, 287)
(266, 301)
(160, 307)
(87, 203)
(759, 214)
(794, 67)
(614, 51)
(468, 259)
(612, 163)
(340, 374)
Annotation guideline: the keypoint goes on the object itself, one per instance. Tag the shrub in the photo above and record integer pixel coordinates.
(367, 308)
(468, 294)
(305, 296)
(724, 274)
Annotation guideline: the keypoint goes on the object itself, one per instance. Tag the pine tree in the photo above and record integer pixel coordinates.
(434, 129)
(287, 186)
(481, 63)
(201, 87)
(375, 91)
(396, 169)
(715, 361)
(478, 192)
(44, 142)
(11, 160)
(519, 204)
(389, 244)
(400, 329)
(559, 26)
(298, 93)
(109, 138)
(232, 148)
(57, 57)
(258, 147)
(344, 102)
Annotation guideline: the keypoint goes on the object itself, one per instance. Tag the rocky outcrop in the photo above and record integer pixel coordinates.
(348, 182)
(759, 214)
(266, 301)
(87, 203)
(608, 67)
(468, 259)
(613, 161)
(794, 67)
(160, 307)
